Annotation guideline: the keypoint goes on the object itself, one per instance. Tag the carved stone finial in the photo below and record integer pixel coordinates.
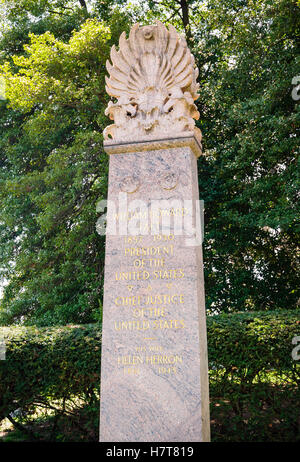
(153, 78)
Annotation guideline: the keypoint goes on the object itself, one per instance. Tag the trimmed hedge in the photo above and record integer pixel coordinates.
(254, 382)
(45, 364)
(247, 344)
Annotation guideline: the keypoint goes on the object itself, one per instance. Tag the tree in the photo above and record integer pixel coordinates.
(248, 177)
(54, 170)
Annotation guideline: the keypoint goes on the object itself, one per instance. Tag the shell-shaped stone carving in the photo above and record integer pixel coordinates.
(153, 79)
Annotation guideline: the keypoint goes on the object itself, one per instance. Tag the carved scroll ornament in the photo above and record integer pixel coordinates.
(153, 83)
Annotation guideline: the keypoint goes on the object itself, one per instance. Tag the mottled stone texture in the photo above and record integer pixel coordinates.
(154, 378)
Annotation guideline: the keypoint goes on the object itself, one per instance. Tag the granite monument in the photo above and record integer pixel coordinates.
(154, 372)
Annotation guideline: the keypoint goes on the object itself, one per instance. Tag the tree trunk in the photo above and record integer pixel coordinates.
(83, 4)
(185, 19)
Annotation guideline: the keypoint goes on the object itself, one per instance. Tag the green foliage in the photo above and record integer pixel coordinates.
(53, 169)
(254, 382)
(248, 55)
(49, 364)
(55, 73)
(54, 173)
(247, 344)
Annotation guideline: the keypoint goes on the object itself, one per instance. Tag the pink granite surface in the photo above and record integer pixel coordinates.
(154, 382)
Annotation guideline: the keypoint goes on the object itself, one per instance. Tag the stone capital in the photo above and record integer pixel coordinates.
(184, 139)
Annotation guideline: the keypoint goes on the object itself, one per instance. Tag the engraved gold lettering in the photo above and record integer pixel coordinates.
(132, 276)
(168, 274)
(159, 359)
(168, 324)
(129, 360)
(132, 325)
(149, 251)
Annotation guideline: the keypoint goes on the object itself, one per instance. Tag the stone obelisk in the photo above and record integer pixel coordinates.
(154, 372)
